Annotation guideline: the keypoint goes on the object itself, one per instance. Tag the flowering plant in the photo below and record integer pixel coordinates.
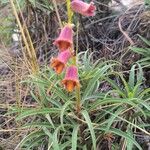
(65, 44)
(79, 106)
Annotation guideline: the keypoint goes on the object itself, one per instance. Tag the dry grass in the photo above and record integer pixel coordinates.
(12, 93)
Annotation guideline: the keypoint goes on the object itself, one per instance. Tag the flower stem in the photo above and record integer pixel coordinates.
(69, 12)
(78, 100)
(74, 58)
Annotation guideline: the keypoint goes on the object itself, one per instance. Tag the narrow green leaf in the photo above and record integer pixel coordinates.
(134, 125)
(122, 134)
(140, 74)
(125, 85)
(35, 142)
(138, 50)
(114, 85)
(65, 145)
(97, 75)
(143, 93)
(48, 133)
(132, 77)
(74, 137)
(34, 111)
(100, 102)
(34, 97)
(30, 137)
(57, 91)
(48, 117)
(144, 39)
(112, 118)
(63, 111)
(55, 139)
(50, 136)
(89, 123)
(128, 141)
(37, 124)
(135, 91)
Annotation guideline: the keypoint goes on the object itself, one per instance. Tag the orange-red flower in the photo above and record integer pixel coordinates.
(65, 39)
(83, 8)
(59, 63)
(71, 78)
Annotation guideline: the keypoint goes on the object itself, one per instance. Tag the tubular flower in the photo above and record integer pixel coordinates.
(83, 8)
(71, 78)
(59, 63)
(65, 39)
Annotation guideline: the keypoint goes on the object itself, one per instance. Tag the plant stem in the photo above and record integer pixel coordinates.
(78, 100)
(78, 93)
(69, 12)
(74, 58)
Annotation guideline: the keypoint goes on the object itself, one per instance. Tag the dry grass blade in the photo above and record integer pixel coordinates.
(33, 65)
(124, 33)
